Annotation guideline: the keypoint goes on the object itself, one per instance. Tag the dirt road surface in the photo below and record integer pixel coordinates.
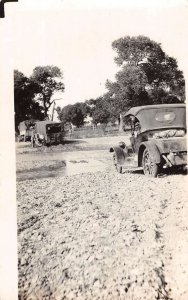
(92, 233)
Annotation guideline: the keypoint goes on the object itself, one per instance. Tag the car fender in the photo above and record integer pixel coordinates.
(153, 150)
(121, 154)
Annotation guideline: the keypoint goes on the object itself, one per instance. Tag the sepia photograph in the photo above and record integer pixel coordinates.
(93, 150)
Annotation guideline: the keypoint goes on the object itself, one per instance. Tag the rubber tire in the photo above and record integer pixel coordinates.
(117, 166)
(150, 168)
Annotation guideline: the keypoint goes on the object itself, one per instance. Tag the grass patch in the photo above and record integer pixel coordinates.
(99, 131)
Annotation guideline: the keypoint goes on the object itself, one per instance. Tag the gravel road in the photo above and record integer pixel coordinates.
(102, 235)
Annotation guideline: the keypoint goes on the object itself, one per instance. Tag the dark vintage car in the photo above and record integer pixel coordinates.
(47, 133)
(158, 139)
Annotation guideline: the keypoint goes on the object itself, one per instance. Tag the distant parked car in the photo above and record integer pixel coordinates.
(158, 139)
(25, 130)
(47, 133)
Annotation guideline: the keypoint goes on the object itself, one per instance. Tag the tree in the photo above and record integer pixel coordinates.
(24, 106)
(74, 114)
(47, 81)
(129, 88)
(99, 110)
(160, 71)
(147, 75)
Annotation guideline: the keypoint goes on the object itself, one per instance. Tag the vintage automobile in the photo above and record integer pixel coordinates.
(25, 130)
(158, 139)
(47, 133)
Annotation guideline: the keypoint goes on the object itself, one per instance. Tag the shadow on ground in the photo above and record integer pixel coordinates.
(74, 142)
(164, 173)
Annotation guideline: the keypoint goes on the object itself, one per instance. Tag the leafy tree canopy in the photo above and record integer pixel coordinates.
(147, 74)
(99, 110)
(47, 81)
(74, 114)
(24, 106)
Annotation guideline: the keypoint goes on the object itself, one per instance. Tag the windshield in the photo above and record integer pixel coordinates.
(53, 128)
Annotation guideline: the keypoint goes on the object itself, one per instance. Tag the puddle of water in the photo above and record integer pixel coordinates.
(75, 163)
(51, 167)
(78, 161)
(51, 170)
(76, 155)
(30, 175)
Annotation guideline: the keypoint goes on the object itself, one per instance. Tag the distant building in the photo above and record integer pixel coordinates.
(88, 121)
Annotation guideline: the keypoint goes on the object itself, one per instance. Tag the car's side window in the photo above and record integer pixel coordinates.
(137, 127)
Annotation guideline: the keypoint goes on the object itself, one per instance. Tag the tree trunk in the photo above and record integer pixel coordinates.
(45, 107)
(46, 104)
(120, 123)
(53, 110)
(46, 112)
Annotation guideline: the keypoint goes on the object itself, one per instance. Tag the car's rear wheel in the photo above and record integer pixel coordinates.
(150, 168)
(116, 164)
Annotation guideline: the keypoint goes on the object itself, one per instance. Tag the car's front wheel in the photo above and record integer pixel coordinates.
(150, 168)
(116, 164)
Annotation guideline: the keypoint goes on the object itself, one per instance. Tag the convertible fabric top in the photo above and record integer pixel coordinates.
(150, 116)
(135, 110)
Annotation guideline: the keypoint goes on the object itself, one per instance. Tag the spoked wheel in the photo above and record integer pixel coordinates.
(116, 164)
(38, 143)
(150, 168)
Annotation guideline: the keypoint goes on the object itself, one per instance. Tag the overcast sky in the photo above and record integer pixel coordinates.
(77, 35)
